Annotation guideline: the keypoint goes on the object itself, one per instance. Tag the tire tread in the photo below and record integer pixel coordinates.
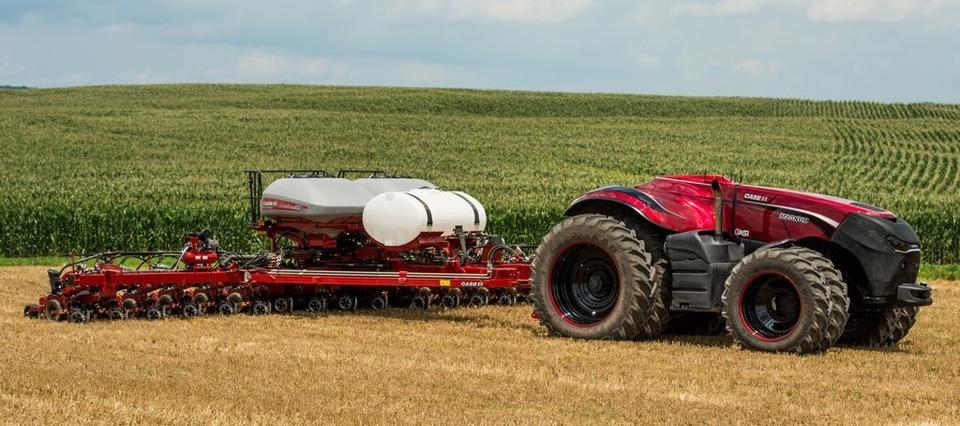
(614, 233)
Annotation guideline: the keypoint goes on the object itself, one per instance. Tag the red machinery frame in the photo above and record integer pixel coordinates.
(472, 269)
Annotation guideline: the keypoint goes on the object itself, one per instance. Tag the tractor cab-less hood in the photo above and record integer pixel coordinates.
(693, 193)
(850, 206)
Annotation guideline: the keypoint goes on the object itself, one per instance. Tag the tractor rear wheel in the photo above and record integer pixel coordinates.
(593, 279)
(653, 240)
(785, 300)
(879, 328)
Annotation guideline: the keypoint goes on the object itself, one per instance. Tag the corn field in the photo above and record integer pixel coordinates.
(134, 167)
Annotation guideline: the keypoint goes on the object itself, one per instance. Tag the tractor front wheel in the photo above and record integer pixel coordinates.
(593, 279)
(785, 300)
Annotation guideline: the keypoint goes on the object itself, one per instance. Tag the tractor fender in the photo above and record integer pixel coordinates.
(672, 216)
(774, 244)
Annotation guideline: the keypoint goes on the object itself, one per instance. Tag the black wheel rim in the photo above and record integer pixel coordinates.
(584, 284)
(771, 306)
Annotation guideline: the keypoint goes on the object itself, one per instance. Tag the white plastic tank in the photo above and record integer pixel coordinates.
(326, 199)
(321, 199)
(394, 219)
(378, 186)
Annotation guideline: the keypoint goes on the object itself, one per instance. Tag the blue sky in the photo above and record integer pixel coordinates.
(888, 50)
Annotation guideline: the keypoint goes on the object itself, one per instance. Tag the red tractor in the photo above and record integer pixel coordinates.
(783, 270)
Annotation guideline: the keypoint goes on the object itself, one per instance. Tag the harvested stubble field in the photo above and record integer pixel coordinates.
(490, 365)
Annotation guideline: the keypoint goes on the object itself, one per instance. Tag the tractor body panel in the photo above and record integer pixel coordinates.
(888, 251)
(699, 264)
(685, 203)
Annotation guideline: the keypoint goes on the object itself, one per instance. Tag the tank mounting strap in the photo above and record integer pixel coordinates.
(425, 208)
(476, 214)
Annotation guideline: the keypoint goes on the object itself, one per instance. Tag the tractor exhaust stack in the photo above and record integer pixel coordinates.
(717, 208)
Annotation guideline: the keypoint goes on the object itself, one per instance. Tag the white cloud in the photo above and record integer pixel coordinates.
(943, 13)
(718, 8)
(267, 65)
(143, 77)
(122, 28)
(395, 72)
(74, 78)
(9, 68)
(879, 10)
(756, 68)
(693, 49)
(420, 74)
(717, 67)
(499, 10)
(692, 67)
(861, 10)
(648, 62)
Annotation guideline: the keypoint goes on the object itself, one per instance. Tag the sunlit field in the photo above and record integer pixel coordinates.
(488, 365)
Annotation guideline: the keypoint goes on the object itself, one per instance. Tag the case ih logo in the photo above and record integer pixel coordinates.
(755, 197)
(794, 218)
(274, 204)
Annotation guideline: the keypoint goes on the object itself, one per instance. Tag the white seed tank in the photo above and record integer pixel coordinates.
(326, 199)
(395, 219)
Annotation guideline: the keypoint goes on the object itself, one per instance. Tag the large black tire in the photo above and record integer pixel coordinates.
(839, 302)
(592, 279)
(660, 309)
(879, 328)
(785, 300)
(653, 240)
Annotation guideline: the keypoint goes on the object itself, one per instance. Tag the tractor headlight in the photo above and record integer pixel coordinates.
(901, 246)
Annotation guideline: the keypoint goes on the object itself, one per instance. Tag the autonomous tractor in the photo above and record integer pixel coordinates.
(779, 270)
